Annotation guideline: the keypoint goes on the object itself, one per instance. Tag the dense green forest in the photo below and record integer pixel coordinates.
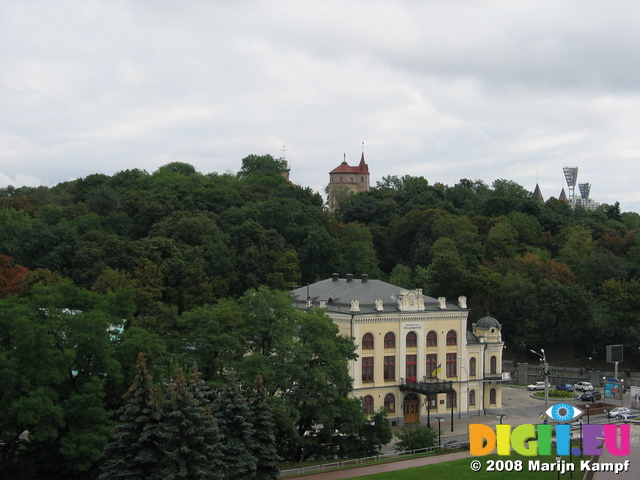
(192, 269)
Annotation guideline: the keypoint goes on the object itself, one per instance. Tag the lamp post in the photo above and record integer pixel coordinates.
(588, 405)
(543, 358)
(440, 419)
(451, 396)
(369, 424)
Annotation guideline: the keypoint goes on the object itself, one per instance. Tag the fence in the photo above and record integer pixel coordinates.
(363, 461)
(557, 375)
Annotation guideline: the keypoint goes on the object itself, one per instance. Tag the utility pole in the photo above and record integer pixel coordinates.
(543, 358)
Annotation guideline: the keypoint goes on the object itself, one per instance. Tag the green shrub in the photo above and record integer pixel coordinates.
(556, 394)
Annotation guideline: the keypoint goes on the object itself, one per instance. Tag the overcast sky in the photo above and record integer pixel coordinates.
(440, 89)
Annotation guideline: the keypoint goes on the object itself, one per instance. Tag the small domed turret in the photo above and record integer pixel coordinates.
(487, 322)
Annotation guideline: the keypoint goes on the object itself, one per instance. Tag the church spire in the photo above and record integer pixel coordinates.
(363, 167)
(537, 194)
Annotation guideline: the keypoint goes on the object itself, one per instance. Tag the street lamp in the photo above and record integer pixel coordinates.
(451, 398)
(588, 405)
(543, 358)
(369, 424)
(440, 419)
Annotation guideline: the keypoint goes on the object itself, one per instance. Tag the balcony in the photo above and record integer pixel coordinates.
(496, 377)
(428, 387)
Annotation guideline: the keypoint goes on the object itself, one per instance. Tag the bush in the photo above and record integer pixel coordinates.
(556, 394)
(415, 437)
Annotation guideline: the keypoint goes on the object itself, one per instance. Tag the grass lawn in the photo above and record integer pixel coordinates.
(461, 470)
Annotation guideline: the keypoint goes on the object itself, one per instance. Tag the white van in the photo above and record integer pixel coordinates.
(584, 386)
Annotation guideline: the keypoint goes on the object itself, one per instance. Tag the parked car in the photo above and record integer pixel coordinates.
(614, 412)
(591, 396)
(584, 386)
(537, 386)
(626, 416)
(565, 386)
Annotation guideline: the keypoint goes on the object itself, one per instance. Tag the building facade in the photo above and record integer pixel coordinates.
(416, 358)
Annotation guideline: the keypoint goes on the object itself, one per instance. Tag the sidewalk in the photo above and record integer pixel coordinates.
(386, 467)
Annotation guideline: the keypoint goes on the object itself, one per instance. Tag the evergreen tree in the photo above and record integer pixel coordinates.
(189, 433)
(235, 424)
(265, 450)
(133, 453)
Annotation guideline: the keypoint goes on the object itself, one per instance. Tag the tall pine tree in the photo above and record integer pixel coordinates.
(189, 433)
(265, 451)
(235, 422)
(133, 454)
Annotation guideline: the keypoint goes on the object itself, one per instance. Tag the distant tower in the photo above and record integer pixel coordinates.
(571, 176)
(583, 200)
(345, 179)
(585, 189)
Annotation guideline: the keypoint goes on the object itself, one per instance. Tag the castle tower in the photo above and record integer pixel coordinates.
(345, 179)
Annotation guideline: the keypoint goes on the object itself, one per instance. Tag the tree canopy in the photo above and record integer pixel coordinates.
(193, 269)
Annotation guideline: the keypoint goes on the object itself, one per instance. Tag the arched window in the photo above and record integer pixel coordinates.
(367, 405)
(390, 403)
(367, 341)
(493, 364)
(452, 337)
(472, 367)
(432, 339)
(390, 340)
(472, 397)
(412, 339)
(492, 396)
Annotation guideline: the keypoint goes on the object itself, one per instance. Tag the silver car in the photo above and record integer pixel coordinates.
(618, 411)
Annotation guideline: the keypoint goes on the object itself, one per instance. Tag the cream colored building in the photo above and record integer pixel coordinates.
(416, 357)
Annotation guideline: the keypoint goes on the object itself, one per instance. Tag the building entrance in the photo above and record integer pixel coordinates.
(411, 408)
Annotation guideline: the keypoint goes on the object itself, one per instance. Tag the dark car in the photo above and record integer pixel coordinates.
(591, 396)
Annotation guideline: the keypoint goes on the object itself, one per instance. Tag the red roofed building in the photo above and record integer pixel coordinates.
(345, 179)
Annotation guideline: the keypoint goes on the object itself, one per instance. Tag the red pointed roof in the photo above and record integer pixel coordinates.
(344, 167)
